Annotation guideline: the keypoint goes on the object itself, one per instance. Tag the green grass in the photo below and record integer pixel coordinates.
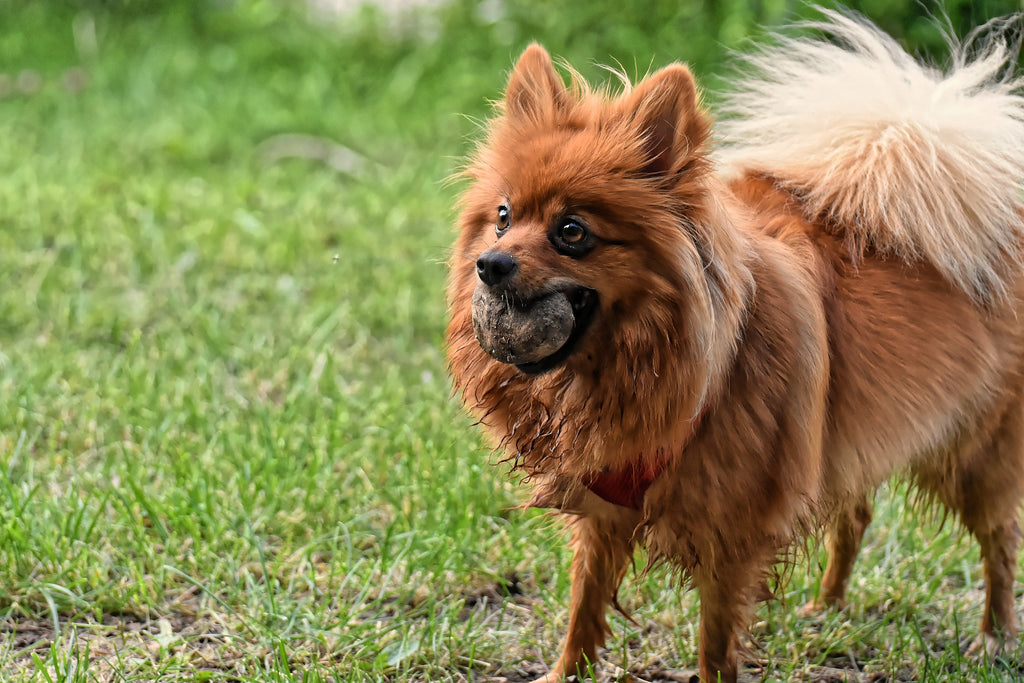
(227, 446)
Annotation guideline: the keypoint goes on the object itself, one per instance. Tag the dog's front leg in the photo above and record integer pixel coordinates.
(725, 609)
(602, 548)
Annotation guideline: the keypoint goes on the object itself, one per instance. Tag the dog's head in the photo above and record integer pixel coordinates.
(577, 211)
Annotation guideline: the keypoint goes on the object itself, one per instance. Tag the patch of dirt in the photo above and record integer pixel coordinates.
(494, 595)
(110, 644)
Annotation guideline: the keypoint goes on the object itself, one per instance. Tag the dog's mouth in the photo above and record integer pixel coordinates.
(535, 335)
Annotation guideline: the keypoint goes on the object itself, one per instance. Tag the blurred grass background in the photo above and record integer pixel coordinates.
(227, 446)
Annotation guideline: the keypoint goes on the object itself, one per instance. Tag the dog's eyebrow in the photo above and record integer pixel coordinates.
(539, 203)
(598, 209)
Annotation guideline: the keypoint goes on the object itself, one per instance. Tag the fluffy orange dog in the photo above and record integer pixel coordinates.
(711, 353)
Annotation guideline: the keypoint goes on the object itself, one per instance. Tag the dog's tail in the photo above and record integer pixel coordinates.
(891, 154)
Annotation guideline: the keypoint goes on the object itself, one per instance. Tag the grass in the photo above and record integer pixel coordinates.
(227, 447)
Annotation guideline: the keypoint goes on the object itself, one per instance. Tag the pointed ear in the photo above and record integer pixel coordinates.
(534, 85)
(664, 108)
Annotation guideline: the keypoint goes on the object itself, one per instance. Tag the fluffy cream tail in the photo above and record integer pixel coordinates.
(900, 157)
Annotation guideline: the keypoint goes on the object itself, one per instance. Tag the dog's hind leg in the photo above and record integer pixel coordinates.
(983, 482)
(988, 496)
(844, 538)
(999, 621)
(602, 549)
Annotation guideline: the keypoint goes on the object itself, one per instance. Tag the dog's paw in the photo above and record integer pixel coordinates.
(989, 646)
(820, 604)
(554, 677)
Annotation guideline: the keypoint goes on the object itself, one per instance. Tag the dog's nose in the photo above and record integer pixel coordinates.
(496, 267)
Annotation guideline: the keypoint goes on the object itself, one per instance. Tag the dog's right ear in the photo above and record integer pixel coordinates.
(534, 86)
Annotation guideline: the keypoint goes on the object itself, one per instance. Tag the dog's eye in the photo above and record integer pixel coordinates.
(572, 232)
(571, 237)
(504, 219)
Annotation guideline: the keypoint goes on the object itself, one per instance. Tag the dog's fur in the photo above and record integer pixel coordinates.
(834, 297)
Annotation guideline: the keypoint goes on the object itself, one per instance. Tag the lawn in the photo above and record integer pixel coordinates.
(228, 449)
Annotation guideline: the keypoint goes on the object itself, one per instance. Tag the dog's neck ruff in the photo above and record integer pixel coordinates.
(628, 485)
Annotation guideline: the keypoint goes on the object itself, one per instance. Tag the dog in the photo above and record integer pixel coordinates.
(714, 347)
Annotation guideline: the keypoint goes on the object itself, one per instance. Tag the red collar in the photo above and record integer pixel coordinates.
(628, 485)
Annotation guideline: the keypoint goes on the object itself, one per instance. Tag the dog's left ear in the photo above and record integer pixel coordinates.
(664, 108)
